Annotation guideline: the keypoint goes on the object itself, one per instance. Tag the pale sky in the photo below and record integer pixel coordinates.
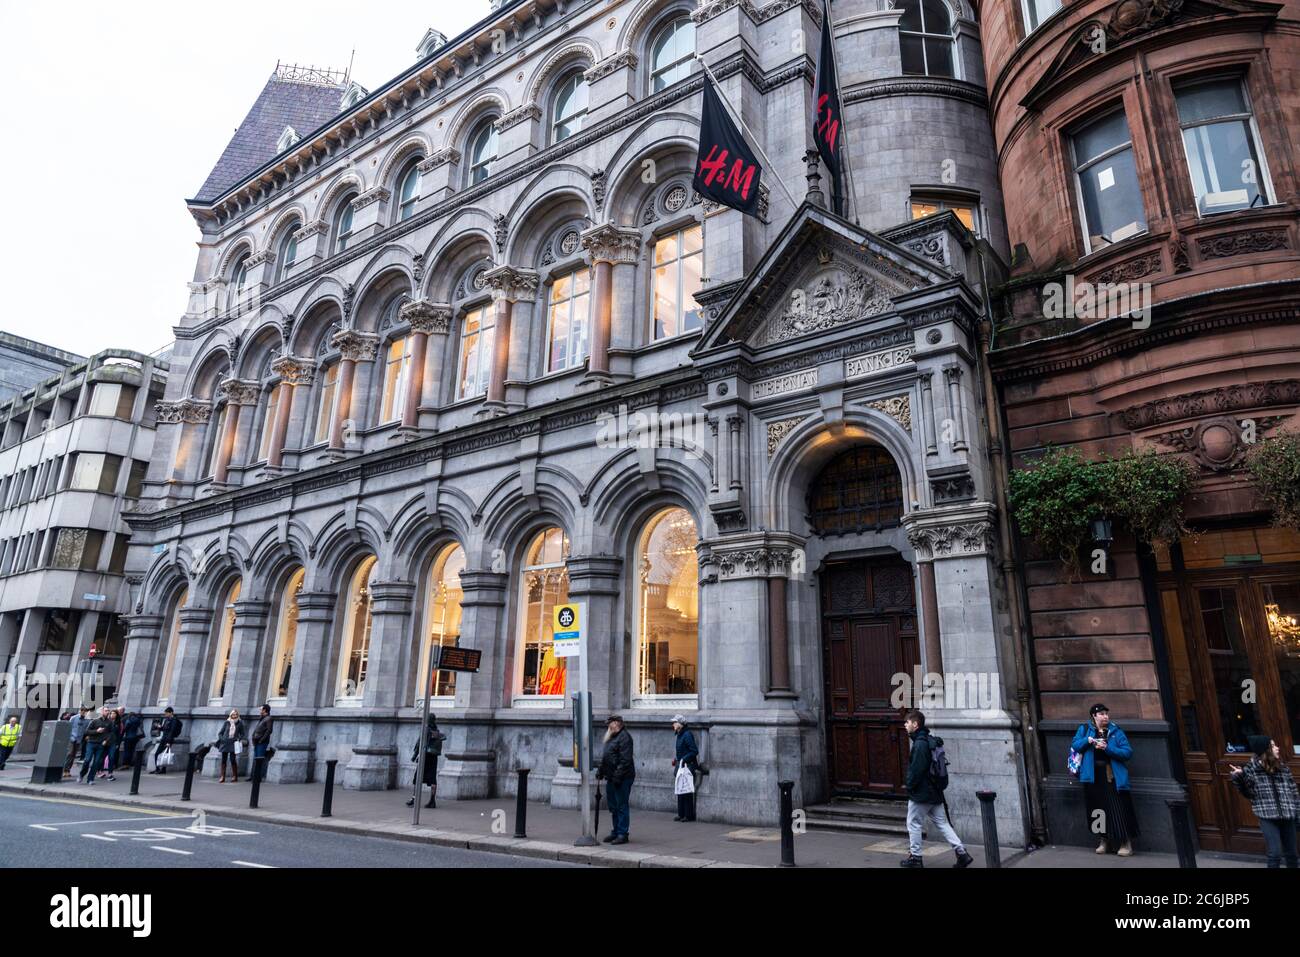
(114, 115)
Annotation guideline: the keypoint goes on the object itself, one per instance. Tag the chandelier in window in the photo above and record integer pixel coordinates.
(1283, 629)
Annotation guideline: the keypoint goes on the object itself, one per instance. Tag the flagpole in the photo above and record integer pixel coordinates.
(735, 115)
(844, 125)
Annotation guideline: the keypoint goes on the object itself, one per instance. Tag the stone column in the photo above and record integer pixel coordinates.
(927, 412)
(353, 347)
(597, 580)
(244, 688)
(141, 660)
(188, 690)
(182, 418)
(237, 394)
(606, 246)
(293, 372)
(509, 285)
(468, 768)
(310, 687)
(952, 376)
(922, 541)
(373, 765)
(425, 318)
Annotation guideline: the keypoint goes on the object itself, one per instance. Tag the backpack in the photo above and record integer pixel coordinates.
(938, 764)
(180, 725)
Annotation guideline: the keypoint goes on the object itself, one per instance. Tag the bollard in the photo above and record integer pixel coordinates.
(1182, 832)
(787, 823)
(259, 765)
(992, 855)
(328, 804)
(189, 776)
(521, 804)
(138, 762)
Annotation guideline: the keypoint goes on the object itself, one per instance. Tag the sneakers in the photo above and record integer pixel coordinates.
(911, 861)
(1126, 849)
(1102, 848)
(964, 859)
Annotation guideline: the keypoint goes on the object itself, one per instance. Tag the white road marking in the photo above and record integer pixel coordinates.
(251, 864)
(100, 837)
(43, 827)
(103, 820)
(169, 850)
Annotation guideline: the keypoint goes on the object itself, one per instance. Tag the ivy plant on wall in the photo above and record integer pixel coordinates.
(1274, 464)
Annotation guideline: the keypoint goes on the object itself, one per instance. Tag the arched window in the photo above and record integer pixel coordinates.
(225, 632)
(287, 256)
(238, 281)
(173, 642)
(570, 107)
(357, 622)
(671, 53)
(544, 583)
(567, 319)
(408, 190)
(286, 636)
(274, 393)
(397, 373)
(441, 617)
(482, 151)
(667, 606)
(343, 223)
(925, 37)
(679, 263)
(858, 491)
(477, 343)
(329, 386)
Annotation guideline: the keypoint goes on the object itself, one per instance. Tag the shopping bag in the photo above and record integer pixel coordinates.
(239, 747)
(685, 782)
(166, 759)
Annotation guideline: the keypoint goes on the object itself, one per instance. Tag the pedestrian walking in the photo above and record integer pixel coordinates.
(1269, 786)
(230, 744)
(80, 722)
(111, 742)
(93, 747)
(927, 777)
(261, 736)
(169, 729)
(132, 732)
(433, 739)
(618, 768)
(1102, 752)
(686, 766)
(10, 732)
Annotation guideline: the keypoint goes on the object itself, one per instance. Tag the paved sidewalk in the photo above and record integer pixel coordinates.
(657, 841)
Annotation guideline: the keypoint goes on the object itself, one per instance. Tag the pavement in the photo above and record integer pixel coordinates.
(488, 826)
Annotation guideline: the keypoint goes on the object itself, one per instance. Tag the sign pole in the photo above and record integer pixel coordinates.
(421, 741)
(571, 636)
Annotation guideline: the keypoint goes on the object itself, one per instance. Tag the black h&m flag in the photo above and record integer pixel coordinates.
(826, 122)
(726, 169)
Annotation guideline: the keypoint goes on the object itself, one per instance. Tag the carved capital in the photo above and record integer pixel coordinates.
(511, 284)
(293, 370)
(357, 346)
(425, 316)
(376, 195)
(955, 539)
(314, 228)
(239, 391)
(440, 158)
(623, 59)
(529, 111)
(261, 259)
(611, 244)
(183, 411)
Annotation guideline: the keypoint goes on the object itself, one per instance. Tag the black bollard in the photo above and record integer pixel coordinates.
(138, 762)
(328, 804)
(189, 776)
(992, 854)
(259, 765)
(787, 823)
(521, 804)
(1182, 832)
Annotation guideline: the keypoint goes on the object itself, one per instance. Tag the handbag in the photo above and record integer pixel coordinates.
(166, 759)
(685, 781)
(1074, 762)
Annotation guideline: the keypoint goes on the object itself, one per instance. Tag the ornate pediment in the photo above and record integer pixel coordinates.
(821, 274)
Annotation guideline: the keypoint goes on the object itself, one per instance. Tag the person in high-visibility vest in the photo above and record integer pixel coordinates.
(9, 734)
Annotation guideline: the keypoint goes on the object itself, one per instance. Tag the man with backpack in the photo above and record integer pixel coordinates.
(927, 778)
(169, 729)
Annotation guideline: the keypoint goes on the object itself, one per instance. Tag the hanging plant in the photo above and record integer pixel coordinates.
(1274, 464)
(1055, 501)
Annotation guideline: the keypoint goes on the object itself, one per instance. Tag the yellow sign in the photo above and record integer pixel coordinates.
(567, 628)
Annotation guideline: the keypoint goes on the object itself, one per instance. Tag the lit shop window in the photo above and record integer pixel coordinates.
(927, 206)
(173, 642)
(667, 606)
(442, 616)
(477, 341)
(1110, 201)
(544, 584)
(286, 636)
(225, 633)
(679, 263)
(357, 624)
(397, 372)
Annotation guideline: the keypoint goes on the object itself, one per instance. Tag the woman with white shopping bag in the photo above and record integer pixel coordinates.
(687, 763)
(230, 742)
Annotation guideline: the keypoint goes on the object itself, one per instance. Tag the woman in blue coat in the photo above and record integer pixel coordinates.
(688, 755)
(1103, 771)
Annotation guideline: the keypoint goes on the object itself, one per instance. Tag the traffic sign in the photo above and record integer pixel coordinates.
(568, 624)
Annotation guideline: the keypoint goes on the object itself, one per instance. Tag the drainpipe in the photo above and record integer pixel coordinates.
(1026, 691)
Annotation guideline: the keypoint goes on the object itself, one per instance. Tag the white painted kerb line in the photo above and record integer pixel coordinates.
(169, 850)
(251, 864)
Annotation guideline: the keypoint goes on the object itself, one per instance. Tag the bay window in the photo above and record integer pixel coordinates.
(1219, 139)
(1105, 175)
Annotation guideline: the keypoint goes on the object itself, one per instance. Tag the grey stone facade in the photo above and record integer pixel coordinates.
(818, 335)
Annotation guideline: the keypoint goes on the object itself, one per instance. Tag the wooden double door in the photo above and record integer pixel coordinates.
(869, 636)
(1234, 650)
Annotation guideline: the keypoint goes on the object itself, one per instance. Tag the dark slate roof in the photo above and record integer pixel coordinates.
(303, 105)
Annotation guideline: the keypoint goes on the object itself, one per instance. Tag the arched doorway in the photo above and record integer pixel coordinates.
(868, 621)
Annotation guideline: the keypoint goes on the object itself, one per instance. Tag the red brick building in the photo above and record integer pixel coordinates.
(1148, 149)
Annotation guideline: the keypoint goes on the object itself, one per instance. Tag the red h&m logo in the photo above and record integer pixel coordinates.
(739, 178)
(828, 126)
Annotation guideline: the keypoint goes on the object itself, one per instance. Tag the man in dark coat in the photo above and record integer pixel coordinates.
(924, 798)
(687, 756)
(618, 768)
(132, 732)
(169, 729)
(433, 739)
(261, 736)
